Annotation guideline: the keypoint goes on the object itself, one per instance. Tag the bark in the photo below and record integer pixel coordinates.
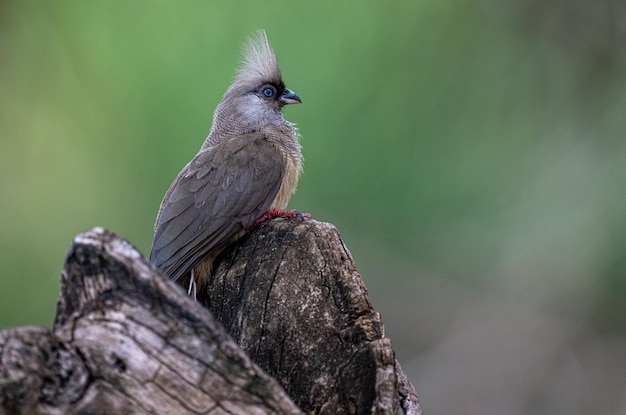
(127, 341)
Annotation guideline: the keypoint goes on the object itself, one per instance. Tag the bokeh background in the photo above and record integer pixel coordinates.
(471, 154)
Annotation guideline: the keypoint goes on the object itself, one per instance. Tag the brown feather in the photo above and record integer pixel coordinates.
(249, 163)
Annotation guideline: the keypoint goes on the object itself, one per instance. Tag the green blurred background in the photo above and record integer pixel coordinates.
(471, 154)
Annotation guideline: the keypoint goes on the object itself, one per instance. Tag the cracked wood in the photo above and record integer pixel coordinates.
(290, 331)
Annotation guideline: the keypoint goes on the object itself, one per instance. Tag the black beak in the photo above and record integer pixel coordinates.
(289, 97)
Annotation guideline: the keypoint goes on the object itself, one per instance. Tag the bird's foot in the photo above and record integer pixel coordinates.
(192, 286)
(280, 213)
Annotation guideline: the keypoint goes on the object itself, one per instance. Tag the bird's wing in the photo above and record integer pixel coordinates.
(225, 189)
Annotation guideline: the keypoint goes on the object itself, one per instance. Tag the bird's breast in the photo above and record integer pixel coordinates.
(293, 167)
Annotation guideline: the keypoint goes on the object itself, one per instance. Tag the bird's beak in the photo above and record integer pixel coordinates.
(289, 97)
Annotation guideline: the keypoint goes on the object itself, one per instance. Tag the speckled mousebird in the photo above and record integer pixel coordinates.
(246, 171)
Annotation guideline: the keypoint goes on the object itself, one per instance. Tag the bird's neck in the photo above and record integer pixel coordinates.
(225, 128)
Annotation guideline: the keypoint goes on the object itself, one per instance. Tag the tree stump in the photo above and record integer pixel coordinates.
(290, 331)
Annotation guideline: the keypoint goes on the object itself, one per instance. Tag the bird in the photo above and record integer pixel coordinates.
(244, 173)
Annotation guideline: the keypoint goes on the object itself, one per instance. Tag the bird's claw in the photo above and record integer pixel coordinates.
(280, 213)
(192, 286)
(292, 214)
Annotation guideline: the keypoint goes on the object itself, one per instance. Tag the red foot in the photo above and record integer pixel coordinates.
(279, 213)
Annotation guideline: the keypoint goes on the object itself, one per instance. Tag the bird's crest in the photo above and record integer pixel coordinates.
(259, 60)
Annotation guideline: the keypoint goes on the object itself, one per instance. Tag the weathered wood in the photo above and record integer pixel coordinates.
(291, 297)
(127, 341)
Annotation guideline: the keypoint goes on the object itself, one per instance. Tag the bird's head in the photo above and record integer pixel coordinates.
(258, 94)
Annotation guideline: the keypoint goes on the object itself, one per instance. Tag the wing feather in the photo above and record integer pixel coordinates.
(225, 189)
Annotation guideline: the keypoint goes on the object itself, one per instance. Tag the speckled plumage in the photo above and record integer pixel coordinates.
(249, 163)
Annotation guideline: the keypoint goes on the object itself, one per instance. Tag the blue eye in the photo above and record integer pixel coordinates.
(269, 91)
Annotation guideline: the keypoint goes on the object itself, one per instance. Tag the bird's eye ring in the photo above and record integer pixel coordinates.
(268, 91)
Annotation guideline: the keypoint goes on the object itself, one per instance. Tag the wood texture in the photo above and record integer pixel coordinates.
(291, 297)
(127, 341)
